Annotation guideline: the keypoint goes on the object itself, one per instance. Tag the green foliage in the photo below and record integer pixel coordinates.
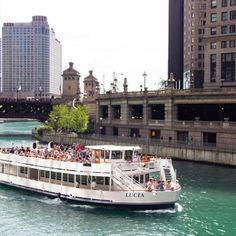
(64, 119)
(162, 84)
(44, 129)
(79, 119)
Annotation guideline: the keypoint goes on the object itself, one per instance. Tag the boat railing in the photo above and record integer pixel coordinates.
(138, 165)
(124, 181)
(167, 170)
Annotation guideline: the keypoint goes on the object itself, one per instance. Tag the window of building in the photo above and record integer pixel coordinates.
(115, 131)
(182, 136)
(213, 68)
(213, 17)
(224, 29)
(213, 45)
(232, 2)
(232, 29)
(228, 66)
(209, 139)
(224, 16)
(233, 15)
(213, 30)
(155, 134)
(224, 3)
(213, 3)
(223, 44)
(232, 43)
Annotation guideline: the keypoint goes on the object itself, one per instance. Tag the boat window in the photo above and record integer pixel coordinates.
(107, 180)
(100, 180)
(116, 155)
(65, 177)
(128, 155)
(53, 175)
(136, 178)
(23, 170)
(71, 178)
(47, 174)
(78, 179)
(2, 169)
(141, 179)
(146, 177)
(58, 176)
(107, 154)
(42, 173)
(84, 179)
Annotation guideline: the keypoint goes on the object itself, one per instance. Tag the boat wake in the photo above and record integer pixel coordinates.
(82, 206)
(3, 197)
(54, 201)
(177, 208)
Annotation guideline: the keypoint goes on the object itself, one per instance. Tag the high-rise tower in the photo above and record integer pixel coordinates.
(175, 51)
(31, 59)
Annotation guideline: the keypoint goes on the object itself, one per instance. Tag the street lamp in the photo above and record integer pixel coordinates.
(141, 86)
(222, 81)
(17, 91)
(40, 93)
(144, 77)
(101, 125)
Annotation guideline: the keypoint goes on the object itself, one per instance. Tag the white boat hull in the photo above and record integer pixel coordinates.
(126, 199)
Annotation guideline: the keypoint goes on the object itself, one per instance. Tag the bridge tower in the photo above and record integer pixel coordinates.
(71, 83)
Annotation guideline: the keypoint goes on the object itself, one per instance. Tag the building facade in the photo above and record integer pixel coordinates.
(31, 59)
(209, 34)
(192, 117)
(220, 44)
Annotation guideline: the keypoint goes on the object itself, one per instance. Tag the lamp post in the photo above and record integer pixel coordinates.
(141, 87)
(222, 81)
(101, 125)
(17, 92)
(40, 93)
(144, 77)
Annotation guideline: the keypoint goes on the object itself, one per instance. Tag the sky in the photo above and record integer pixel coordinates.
(125, 37)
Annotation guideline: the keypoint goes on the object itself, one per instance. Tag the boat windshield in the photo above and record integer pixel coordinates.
(128, 155)
(116, 155)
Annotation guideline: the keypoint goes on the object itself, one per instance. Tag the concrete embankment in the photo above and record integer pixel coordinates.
(176, 151)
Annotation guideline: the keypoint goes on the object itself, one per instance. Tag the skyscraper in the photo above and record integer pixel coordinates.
(0, 65)
(175, 51)
(194, 29)
(209, 39)
(220, 44)
(31, 59)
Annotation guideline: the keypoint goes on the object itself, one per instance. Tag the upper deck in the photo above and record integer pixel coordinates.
(93, 159)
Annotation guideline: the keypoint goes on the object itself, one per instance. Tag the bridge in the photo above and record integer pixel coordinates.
(23, 108)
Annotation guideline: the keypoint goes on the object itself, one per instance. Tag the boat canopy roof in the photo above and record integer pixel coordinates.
(113, 147)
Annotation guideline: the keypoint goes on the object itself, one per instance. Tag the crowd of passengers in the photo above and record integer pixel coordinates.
(55, 152)
(160, 185)
(77, 153)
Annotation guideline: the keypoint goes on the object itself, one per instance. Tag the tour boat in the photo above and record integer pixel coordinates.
(104, 175)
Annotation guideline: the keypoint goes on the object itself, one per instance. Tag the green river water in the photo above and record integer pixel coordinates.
(207, 205)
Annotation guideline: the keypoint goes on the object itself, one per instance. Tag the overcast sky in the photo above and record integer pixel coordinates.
(127, 37)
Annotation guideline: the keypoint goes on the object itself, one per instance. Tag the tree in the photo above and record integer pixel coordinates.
(76, 119)
(79, 117)
(58, 117)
